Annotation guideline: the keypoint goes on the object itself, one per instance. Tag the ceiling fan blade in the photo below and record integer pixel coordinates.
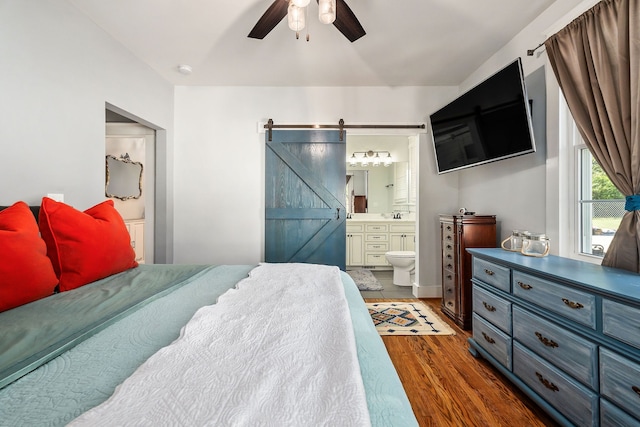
(276, 12)
(347, 23)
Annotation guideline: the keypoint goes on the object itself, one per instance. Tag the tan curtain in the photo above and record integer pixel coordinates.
(596, 60)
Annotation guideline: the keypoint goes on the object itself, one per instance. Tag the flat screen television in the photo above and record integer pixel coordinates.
(490, 122)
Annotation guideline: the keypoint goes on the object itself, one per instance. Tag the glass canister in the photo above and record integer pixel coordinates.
(514, 242)
(535, 244)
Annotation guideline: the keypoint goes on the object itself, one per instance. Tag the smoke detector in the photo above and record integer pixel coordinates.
(185, 69)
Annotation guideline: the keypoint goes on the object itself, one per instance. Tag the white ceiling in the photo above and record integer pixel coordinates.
(408, 42)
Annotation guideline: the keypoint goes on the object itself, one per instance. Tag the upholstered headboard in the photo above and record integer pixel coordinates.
(35, 210)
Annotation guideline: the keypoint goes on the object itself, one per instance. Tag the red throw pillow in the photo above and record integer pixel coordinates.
(85, 246)
(26, 273)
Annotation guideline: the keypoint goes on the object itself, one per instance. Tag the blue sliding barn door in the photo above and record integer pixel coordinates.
(305, 197)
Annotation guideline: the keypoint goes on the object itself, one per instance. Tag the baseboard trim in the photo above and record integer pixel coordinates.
(433, 291)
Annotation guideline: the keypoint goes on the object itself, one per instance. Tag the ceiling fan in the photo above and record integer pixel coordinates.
(346, 21)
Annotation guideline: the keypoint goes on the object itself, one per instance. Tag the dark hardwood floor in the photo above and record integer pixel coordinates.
(447, 386)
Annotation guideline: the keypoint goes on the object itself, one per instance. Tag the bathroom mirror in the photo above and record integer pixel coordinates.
(123, 178)
(374, 185)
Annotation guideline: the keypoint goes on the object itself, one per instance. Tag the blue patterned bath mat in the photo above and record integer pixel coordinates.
(406, 318)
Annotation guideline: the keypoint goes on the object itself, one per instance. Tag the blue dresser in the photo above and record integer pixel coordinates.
(566, 332)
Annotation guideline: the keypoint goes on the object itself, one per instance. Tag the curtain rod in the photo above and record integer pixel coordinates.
(530, 52)
(270, 126)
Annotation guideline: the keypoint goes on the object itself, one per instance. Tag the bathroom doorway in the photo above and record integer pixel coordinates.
(387, 192)
(133, 145)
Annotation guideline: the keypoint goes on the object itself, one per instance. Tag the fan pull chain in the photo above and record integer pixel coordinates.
(306, 17)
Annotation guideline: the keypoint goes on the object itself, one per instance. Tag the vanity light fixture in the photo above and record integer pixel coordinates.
(376, 160)
(364, 157)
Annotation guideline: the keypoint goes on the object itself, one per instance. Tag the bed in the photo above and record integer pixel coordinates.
(71, 356)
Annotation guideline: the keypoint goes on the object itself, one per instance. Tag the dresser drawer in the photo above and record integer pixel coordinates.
(496, 342)
(355, 228)
(620, 381)
(492, 274)
(448, 250)
(448, 259)
(375, 246)
(493, 308)
(382, 228)
(402, 228)
(449, 291)
(448, 234)
(569, 352)
(621, 321)
(570, 303)
(569, 397)
(375, 259)
(376, 237)
(612, 416)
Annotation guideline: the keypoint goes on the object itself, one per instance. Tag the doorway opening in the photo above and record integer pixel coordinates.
(386, 195)
(128, 137)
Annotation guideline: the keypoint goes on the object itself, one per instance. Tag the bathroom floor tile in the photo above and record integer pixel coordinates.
(389, 289)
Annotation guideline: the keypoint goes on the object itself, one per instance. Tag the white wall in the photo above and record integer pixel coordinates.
(219, 160)
(58, 71)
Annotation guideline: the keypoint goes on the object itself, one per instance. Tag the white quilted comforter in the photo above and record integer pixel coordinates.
(278, 350)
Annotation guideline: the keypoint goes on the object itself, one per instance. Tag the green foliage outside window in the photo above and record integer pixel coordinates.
(601, 186)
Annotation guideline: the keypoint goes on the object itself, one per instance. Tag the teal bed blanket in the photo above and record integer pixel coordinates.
(85, 361)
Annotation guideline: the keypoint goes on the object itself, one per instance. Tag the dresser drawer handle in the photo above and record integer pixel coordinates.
(571, 304)
(449, 256)
(489, 272)
(488, 307)
(448, 228)
(449, 277)
(449, 266)
(545, 382)
(449, 290)
(448, 237)
(546, 341)
(636, 390)
(488, 338)
(525, 286)
(449, 247)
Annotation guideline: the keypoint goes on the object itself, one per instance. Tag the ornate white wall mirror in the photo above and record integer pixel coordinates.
(123, 177)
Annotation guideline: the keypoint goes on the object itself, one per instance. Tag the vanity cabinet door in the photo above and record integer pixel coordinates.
(355, 249)
(136, 232)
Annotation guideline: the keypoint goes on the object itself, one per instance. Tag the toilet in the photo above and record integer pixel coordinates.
(403, 263)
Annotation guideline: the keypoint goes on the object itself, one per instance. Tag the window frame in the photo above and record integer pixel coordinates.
(579, 198)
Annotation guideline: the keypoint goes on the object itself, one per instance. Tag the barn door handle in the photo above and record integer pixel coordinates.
(337, 213)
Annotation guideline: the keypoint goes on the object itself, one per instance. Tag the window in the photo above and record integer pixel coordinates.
(590, 208)
(600, 206)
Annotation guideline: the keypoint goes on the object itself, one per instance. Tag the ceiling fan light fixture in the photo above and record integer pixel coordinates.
(327, 11)
(301, 3)
(295, 17)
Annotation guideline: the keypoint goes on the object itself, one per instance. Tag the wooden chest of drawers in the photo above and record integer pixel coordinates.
(459, 232)
(565, 331)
